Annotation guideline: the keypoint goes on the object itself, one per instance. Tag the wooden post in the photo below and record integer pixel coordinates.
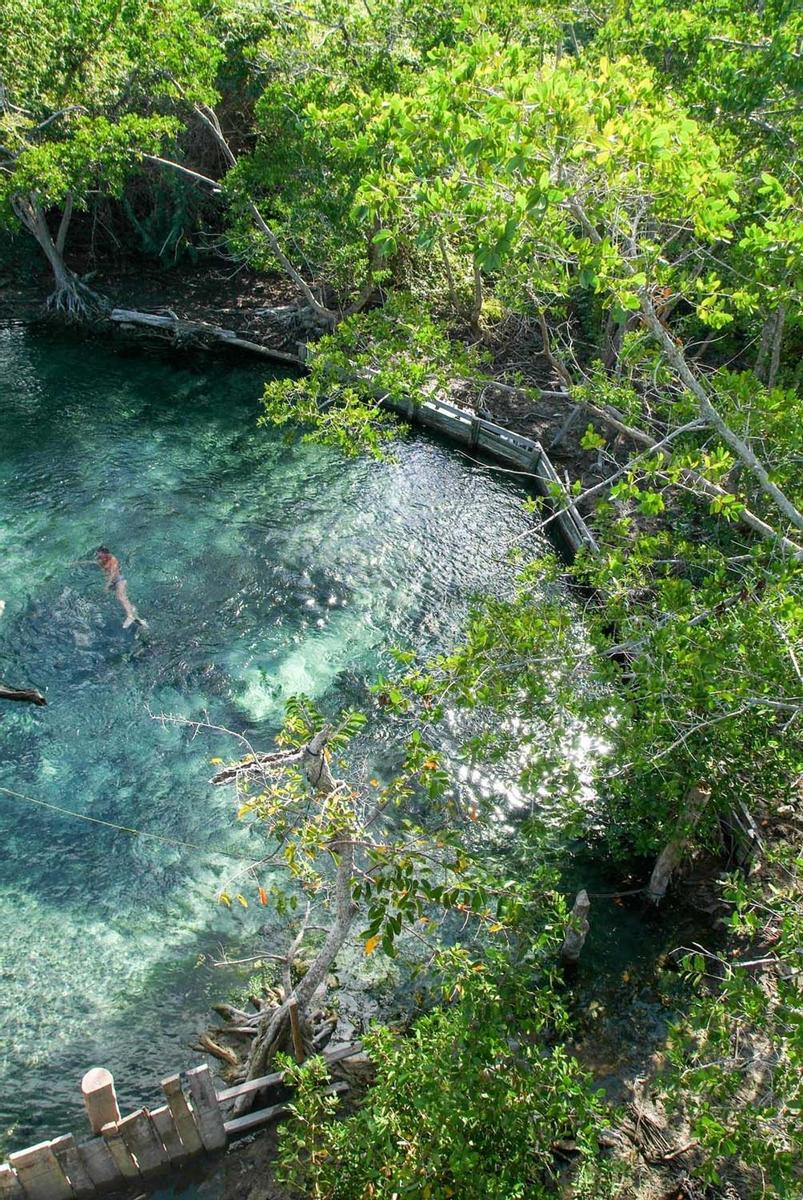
(182, 1115)
(143, 1143)
(119, 1151)
(10, 1186)
(100, 1098)
(165, 1126)
(207, 1110)
(101, 1168)
(39, 1173)
(72, 1165)
(474, 433)
(577, 929)
(295, 1026)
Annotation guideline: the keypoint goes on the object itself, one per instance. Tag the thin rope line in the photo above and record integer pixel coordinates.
(159, 837)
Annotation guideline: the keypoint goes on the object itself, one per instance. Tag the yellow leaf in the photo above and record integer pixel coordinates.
(225, 898)
(497, 925)
(216, 761)
(371, 944)
(242, 900)
(374, 782)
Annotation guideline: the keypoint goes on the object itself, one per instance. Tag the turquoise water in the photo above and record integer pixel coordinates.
(263, 569)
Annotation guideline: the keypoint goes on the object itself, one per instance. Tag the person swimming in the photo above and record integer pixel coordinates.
(115, 582)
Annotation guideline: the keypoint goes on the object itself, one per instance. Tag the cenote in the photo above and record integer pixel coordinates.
(264, 569)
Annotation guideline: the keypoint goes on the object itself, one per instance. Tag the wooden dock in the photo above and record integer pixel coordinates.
(124, 1152)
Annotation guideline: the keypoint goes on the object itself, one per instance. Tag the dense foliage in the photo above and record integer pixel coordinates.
(470, 1105)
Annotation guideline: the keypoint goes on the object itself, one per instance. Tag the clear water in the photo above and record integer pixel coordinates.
(263, 569)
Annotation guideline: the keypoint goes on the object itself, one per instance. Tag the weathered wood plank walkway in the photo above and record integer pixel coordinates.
(139, 1148)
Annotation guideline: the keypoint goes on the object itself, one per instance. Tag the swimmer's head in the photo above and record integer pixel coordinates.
(103, 554)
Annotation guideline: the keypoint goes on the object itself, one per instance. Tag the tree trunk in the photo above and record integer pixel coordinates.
(71, 298)
(670, 857)
(777, 341)
(276, 1034)
(768, 358)
(576, 929)
(710, 414)
(476, 303)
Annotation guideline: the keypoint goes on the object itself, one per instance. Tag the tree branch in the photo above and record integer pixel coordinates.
(712, 416)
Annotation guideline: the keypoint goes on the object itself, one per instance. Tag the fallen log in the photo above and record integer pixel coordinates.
(25, 695)
(183, 331)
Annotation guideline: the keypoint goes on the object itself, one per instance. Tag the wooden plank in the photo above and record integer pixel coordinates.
(512, 455)
(66, 1151)
(39, 1173)
(10, 1186)
(502, 431)
(182, 1115)
(119, 1151)
(165, 1126)
(474, 432)
(207, 1110)
(253, 1120)
(263, 1116)
(436, 420)
(265, 1081)
(101, 1168)
(445, 412)
(143, 1142)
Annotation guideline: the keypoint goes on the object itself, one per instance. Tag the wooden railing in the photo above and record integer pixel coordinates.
(132, 1150)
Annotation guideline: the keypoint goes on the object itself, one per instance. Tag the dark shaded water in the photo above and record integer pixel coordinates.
(263, 569)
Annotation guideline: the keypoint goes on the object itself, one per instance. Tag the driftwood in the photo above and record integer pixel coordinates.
(225, 1055)
(184, 331)
(26, 695)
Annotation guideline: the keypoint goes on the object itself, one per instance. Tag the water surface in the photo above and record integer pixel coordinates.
(263, 569)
